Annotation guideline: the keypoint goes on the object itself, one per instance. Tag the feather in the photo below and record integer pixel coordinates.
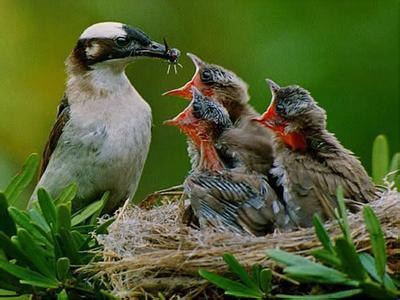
(63, 116)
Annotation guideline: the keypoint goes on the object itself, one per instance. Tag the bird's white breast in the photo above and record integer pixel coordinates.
(105, 143)
(120, 125)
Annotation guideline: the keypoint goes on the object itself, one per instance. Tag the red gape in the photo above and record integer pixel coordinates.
(185, 91)
(270, 119)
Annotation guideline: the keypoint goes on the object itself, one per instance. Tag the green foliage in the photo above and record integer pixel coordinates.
(255, 286)
(339, 265)
(42, 247)
(381, 168)
(20, 181)
(394, 170)
(380, 159)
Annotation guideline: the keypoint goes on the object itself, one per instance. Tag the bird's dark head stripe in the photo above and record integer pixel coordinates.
(106, 50)
(79, 54)
(117, 42)
(136, 34)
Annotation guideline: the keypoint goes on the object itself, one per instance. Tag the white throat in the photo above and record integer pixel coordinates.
(105, 79)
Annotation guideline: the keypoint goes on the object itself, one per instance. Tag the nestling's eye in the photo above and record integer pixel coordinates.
(206, 76)
(280, 107)
(122, 42)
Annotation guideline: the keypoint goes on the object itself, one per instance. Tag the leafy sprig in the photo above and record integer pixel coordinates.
(42, 247)
(382, 167)
(338, 264)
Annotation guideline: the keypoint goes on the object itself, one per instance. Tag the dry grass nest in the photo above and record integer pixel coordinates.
(148, 250)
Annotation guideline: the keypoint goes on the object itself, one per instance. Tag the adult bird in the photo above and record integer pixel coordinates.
(102, 134)
(246, 140)
(220, 197)
(310, 163)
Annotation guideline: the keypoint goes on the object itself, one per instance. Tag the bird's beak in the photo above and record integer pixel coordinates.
(158, 50)
(181, 119)
(272, 86)
(185, 91)
(268, 118)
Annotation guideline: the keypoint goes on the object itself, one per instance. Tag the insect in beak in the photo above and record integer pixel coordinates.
(174, 55)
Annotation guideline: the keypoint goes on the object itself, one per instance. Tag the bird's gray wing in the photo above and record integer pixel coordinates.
(215, 199)
(239, 201)
(310, 185)
(63, 116)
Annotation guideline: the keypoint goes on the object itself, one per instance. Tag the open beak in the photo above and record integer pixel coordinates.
(185, 91)
(270, 118)
(158, 50)
(183, 118)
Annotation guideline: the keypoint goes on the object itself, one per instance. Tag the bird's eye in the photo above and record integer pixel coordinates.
(280, 107)
(122, 42)
(206, 76)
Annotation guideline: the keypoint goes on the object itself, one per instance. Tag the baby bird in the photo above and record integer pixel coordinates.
(239, 202)
(251, 145)
(310, 163)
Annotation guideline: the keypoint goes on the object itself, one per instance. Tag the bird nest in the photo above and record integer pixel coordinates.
(149, 250)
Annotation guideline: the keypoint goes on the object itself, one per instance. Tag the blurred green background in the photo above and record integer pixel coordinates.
(345, 52)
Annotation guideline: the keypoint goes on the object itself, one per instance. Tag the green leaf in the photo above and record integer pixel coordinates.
(337, 295)
(62, 295)
(23, 220)
(6, 222)
(287, 258)
(239, 270)
(380, 159)
(102, 228)
(256, 270)
(38, 256)
(79, 239)
(109, 296)
(67, 195)
(350, 263)
(21, 181)
(368, 263)
(104, 199)
(326, 257)
(266, 280)
(231, 287)
(394, 171)
(68, 246)
(342, 214)
(47, 206)
(86, 212)
(322, 234)
(38, 219)
(389, 284)
(63, 217)
(317, 273)
(243, 294)
(395, 163)
(63, 265)
(376, 291)
(27, 276)
(12, 250)
(306, 270)
(377, 240)
(11, 283)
